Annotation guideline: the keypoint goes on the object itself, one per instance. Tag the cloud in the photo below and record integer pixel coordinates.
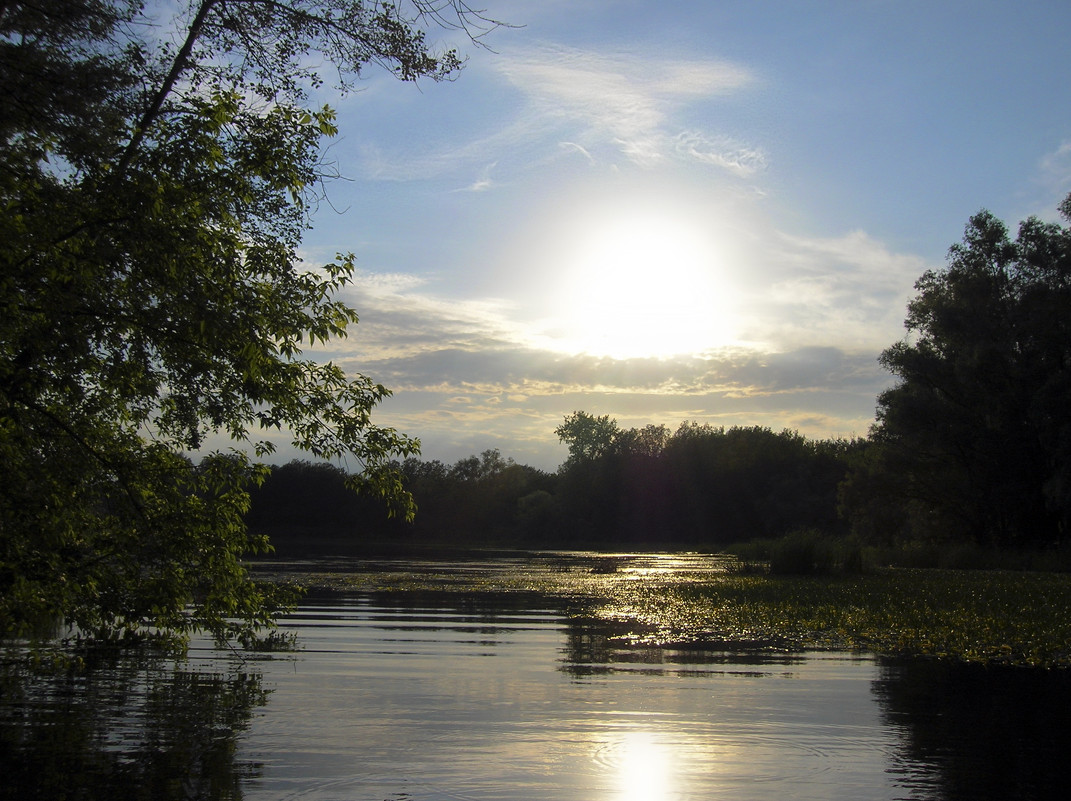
(723, 152)
(629, 101)
(484, 182)
(527, 372)
(573, 147)
(409, 159)
(1054, 175)
(601, 105)
(412, 341)
(849, 290)
(468, 374)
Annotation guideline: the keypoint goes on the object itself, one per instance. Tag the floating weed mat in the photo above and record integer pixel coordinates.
(970, 616)
(992, 617)
(567, 574)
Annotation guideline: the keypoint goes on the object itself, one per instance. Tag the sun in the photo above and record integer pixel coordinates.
(644, 284)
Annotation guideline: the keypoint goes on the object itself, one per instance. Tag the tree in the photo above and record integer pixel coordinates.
(588, 437)
(751, 482)
(648, 441)
(154, 198)
(975, 438)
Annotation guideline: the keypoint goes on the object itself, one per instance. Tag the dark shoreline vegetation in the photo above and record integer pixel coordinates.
(984, 617)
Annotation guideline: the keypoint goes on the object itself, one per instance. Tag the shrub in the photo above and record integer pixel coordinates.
(809, 552)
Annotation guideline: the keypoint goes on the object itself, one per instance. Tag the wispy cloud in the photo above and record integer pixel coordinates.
(736, 157)
(851, 291)
(630, 101)
(1054, 176)
(483, 182)
(602, 105)
(573, 147)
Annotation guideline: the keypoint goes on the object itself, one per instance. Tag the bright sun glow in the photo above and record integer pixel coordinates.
(644, 285)
(646, 769)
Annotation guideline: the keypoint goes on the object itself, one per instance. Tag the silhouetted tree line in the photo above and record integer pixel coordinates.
(479, 500)
(972, 444)
(699, 486)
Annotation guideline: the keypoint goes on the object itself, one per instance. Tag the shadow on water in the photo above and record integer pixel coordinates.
(971, 732)
(124, 726)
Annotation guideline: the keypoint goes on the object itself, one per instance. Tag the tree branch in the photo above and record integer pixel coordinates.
(178, 66)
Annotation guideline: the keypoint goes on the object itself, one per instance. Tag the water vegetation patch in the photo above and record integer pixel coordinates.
(982, 616)
(992, 617)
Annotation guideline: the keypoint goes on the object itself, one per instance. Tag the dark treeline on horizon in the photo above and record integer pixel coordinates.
(700, 487)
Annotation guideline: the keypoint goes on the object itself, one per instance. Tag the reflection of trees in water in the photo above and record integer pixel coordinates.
(126, 727)
(977, 733)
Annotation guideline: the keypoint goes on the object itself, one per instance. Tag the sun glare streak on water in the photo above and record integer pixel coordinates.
(441, 696)
(646, 772)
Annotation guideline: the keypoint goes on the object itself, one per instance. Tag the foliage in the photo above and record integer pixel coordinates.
(966, 555)
(479, 500)
(587, 436)
(975, 439)
(311, 504)
(804, 552)
(700, 485)
(485, 499)
(152, 298)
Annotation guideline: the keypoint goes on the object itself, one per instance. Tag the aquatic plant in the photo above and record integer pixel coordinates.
(986, 616)
(974, 616)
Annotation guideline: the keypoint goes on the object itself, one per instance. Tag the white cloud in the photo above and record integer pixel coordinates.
(627, 100)
(484, 182)
(1054, 175)
(602, 105)
(850, 291)
(573, 147)
(723, 152)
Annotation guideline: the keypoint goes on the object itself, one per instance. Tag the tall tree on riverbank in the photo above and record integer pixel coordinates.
(700, 485)
(154, 198)
(975, 439)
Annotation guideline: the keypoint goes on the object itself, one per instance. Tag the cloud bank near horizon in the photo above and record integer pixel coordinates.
(467, 371)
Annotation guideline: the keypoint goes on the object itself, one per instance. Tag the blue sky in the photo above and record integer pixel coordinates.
(669, 211)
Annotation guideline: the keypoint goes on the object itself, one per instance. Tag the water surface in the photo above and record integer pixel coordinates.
(426, 701)
(436, 693)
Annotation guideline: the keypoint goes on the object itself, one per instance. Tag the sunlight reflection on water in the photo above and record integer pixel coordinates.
(644, 768)
(424, 697)
(441, 693)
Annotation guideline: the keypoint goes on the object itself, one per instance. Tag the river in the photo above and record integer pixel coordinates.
(435, 694)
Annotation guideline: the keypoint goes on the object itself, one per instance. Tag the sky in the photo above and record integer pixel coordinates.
(678, 211)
